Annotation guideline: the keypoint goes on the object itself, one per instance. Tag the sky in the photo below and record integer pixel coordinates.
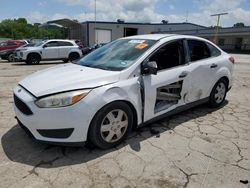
(193, 11)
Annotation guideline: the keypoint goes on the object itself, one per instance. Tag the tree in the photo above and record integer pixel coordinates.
(21, 29)
(239, 24)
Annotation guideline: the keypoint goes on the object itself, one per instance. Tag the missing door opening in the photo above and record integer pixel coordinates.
(167, 96)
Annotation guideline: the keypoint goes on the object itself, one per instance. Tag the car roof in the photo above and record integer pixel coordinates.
(62, 40)
(163, 36)
(150, 36)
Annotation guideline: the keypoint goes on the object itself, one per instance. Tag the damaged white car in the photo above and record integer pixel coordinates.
(123, 85)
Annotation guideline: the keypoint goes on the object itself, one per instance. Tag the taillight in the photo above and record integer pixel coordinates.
(232, 60)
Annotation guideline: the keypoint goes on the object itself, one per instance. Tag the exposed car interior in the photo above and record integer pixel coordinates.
(170, 55)
(198, 50)
(167, 96)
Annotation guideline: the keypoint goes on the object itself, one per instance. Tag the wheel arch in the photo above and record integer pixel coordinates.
(73, 52)
(33, 53)
(222, 73)
(132, 107)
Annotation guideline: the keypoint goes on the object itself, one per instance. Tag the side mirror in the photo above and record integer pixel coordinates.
(149, 67)
(44, 46)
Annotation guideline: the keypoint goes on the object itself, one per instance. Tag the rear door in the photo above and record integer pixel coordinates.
(203, 66)
(64, 48)
(50, 50)
(165, 91)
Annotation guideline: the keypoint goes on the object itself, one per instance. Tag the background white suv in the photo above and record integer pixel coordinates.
(65, 50)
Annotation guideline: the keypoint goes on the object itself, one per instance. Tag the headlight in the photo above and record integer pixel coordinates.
(62, 99)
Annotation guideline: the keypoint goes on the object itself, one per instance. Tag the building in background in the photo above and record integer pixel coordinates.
(90, 32)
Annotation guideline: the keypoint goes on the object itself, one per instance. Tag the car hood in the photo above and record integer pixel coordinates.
(31, 48)
(67, 77)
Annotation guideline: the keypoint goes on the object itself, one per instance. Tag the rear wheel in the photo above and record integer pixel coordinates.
(74, 56)
(218, 94)
(33, 59)
(111, 125)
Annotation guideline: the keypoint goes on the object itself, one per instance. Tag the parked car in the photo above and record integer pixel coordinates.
(10, 54)
(123, 85)
(50, 50)
(11, 44)
(87, 50)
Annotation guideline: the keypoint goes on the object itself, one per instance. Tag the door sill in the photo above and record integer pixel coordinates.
(175, 111)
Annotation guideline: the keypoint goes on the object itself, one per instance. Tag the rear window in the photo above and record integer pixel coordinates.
(51, 44)
(198, 50)
(213, 50)
(63, 43)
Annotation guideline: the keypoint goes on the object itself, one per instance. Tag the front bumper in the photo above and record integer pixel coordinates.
(73, 144)
(19, 56)
(54, 125)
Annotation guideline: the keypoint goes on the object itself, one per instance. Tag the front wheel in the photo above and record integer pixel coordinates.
(11, 58)
(218, 94)
(33, 59)
(111, 125)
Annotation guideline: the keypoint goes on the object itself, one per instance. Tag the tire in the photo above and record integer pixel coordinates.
(11, 58)
(111, 125)
(73, 56)
(218, 94)
(65, 60)
(33, 59)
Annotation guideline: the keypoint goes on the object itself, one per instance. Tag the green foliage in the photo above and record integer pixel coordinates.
(20, 29)
(239, 24)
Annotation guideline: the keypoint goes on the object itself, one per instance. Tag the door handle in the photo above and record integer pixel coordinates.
(183, 74)
(213, 66)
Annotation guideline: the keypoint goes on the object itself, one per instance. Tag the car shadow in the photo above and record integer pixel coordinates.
(19, 148)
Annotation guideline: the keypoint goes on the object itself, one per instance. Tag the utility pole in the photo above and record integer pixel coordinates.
(96, 41)
(187, 16)
(217, 26)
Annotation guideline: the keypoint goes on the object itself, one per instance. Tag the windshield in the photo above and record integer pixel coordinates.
(39, 44)
(29, 45)
(117, 55)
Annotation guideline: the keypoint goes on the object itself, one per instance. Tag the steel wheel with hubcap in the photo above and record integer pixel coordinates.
(111, 125)
(218, 93)
(114, 125)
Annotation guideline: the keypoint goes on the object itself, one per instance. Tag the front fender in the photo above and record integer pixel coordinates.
(127, 90)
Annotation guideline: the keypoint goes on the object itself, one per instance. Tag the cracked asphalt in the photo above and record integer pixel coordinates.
(201, 147)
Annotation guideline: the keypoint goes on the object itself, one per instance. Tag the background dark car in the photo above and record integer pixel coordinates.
(87, 50)
(10, 53)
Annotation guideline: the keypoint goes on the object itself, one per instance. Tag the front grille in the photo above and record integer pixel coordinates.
(56, 133)
(22, 106)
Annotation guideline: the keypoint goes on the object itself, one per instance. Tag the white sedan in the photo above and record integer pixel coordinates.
(125, 84)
